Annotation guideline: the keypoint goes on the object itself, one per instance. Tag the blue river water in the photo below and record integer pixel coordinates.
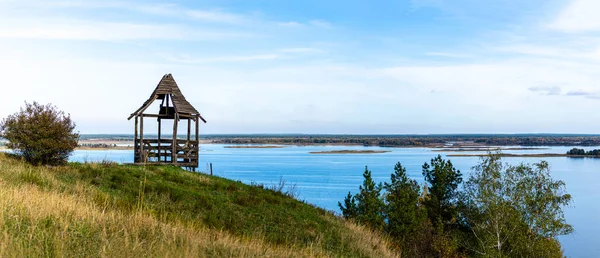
(323, 180)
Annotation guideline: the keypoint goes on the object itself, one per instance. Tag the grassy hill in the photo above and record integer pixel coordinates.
(109, 210)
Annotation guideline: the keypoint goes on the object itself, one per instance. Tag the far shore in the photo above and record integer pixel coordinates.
(349, 152)
(105, 148)
(253, 146)
(536, 155)
(487, 149)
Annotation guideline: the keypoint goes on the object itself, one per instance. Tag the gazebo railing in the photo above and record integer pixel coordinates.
(185, 153)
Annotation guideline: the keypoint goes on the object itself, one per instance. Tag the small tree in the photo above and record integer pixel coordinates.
(40, 133)
(366, 207)
(402, 199)
(443, 180)
(349, 209)
(515, 211)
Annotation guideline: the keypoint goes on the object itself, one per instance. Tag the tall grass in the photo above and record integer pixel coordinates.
(108, 210)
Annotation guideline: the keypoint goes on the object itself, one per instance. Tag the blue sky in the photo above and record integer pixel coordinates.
(273, 66)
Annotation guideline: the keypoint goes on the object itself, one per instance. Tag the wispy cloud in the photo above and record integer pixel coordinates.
(277, 54)
(290, 24)
(546, 90)
(584, 93)
(71, 29)
(321, 24)
(223, 59)
(449, 55)
(579, 16)
(312, 23)
(216, 16)
(556, 91)
(166, 10)
(300, 50)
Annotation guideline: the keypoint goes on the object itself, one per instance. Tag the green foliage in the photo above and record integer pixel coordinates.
(349, 208)
(403, 213)
(366, 207)
(443, 180)
(582, 152)
(40, 133)
(576, 151)
(369, 203)
(502, 211)
(514, 210)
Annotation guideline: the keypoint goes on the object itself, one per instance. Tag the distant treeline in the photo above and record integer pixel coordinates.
(386, 140)
(97, 145)
(425, 140)
(582, 152)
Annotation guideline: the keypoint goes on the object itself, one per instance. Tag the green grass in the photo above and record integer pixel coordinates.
(108, 209)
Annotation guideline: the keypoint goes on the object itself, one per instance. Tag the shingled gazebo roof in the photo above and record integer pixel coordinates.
(168, 86)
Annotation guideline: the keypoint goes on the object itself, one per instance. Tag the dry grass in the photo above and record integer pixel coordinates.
(41, 216)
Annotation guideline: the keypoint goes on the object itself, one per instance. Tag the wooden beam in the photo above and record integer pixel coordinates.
(153, 115)
(197, 130)
(197, 142)
(135, 139)
(142, 108)
(174, 151)
(189, 128)
(159, 139)
(142, 155)
(202, 118)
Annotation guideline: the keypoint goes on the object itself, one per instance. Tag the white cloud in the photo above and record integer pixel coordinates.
(321, 24)
(579, 16)
(223, 59)
(300, 50)
(105, 31)
(508, 80)
(449, 55)
(253, 85)
(290, 24)
(169, 10)
(216, 16)
(546, 90)
(312, 23)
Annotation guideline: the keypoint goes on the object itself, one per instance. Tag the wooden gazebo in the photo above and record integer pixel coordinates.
(174, 106)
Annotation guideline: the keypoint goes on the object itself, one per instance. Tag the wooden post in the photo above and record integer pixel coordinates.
(189, 128)
(159, 140)
(142, 154)
(135, 140)
(197, 141)
(211, 169)
(197, 129)
(174, 149)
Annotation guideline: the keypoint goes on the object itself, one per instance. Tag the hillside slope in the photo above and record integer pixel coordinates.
(109, 210)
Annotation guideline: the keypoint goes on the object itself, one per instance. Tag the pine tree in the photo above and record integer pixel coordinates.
(402, 200)
(367, 206)
(443, 180)
(349, 209)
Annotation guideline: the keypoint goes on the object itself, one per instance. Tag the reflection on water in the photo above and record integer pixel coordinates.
(326, 179)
